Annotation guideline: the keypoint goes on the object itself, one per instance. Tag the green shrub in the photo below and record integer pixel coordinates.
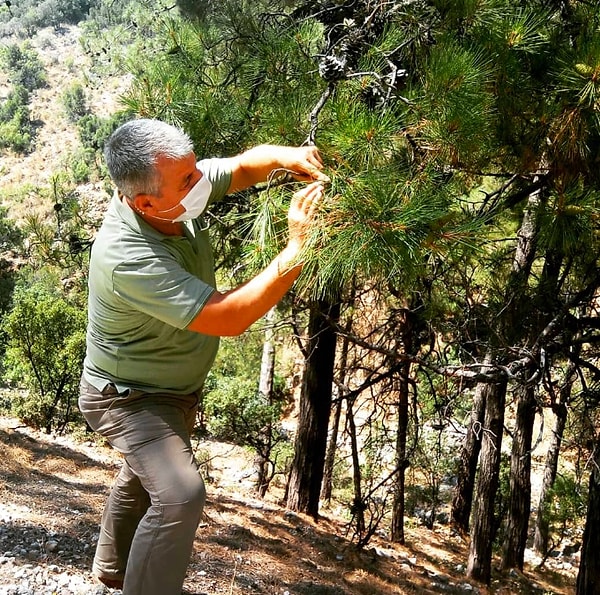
(75, 102)
(18, 133)
(17, 99)
(27, 16)
(94, 130)
(10, 239)
(565, 510)
(24, 66)
(237, 412)
(45, 338)
(234, 410)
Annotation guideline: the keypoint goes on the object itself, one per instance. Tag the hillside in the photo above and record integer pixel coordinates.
(65, 63)
(52, 491)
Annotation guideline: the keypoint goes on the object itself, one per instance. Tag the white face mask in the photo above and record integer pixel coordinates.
(193, 203)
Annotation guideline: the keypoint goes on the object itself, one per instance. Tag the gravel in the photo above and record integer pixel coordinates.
(37, 561)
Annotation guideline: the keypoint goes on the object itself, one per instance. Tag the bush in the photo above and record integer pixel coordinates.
(45, 337)
(565, 510)
(17, 131)
(27, 16)
(10, 235)
(75, 102)
(235, 411)
(17, 99)
(81, 164)
(24, 66)
(10, 239)
(18, 134)
(94, 131)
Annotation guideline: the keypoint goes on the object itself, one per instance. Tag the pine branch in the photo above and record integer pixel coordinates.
(314, 114)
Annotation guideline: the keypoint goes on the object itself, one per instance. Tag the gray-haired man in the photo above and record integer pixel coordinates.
(154, 319)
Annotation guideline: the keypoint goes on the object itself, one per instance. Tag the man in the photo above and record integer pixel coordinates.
(154, 319)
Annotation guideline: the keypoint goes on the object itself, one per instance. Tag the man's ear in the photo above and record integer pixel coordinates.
(141, 202)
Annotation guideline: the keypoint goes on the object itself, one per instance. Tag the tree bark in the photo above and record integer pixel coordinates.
(519, 500)
(398, 508)
(479, 565)
(542, 525)
(306, 475)
(267, 364)
(410, 324)
(358, 511)
(559, 409)
(327, 487)
(265, 387)
(588, 578)
(513, 328)
(342, 368)
(462, 501)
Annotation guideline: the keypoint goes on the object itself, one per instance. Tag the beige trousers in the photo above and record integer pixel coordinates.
(150, 519)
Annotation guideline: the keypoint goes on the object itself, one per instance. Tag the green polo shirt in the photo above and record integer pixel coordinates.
(144, 290)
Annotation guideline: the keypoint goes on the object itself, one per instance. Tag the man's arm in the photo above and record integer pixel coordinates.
(230, 313)
(255, 165)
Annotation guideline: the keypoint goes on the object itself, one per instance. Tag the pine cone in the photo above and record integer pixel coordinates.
(352, 46)
(373, 95)
(332, 68)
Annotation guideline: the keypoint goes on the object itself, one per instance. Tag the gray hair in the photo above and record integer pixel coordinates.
(132, 150)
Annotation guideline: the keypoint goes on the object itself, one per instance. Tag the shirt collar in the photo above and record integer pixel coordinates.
(126, 214)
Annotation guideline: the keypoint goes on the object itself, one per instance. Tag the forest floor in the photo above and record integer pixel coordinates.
(52, 490)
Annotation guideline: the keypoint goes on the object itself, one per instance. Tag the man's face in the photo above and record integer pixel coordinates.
(177, 176)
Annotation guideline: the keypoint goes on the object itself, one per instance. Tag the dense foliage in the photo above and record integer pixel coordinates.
(45, 346)
(26, 71)
(25, 17)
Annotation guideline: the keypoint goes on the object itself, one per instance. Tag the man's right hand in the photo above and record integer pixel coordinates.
(301, 213)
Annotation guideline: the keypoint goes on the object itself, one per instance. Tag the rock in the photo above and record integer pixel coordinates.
(51, 546)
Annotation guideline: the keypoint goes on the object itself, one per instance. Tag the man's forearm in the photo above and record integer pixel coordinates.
(231, 313)
(256, 164)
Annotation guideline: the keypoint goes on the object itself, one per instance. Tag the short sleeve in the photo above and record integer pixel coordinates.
(218, 171)
(162, 289)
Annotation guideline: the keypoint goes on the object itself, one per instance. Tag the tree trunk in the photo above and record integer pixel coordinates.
(559, 409)
(479, 565)
(358, 510)
(519, 504)
(519, 501)
(331, 450)
(267, 364)
(410, 326)
(398, 507)
(306, 474)
(265, 387)
(513, 328)
(462, 501)
(588, 578)
(542, 526)
(342, 368)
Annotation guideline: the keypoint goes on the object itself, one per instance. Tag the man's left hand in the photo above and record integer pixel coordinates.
(304, 163)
